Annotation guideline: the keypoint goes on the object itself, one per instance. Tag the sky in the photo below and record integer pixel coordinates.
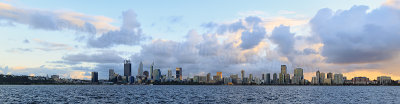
(74, 38)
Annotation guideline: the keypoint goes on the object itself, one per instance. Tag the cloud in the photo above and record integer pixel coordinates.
(50, 46)
(19, 50)
(102, 57)
(130, 33)
(285, 40)
(175, 19)
(26, 41)
(55, 20)
(358, 36)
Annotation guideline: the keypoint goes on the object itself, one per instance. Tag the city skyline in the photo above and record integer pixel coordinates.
(354, 38)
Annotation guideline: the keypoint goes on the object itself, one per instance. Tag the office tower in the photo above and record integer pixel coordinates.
(234, 78)
(242, 74)
(298, 76)
(287, 79)
(317, 75)
(250, 78)
(208, 77)
(151, 70)
(262, 76)
(169, 75)
(282, 75)
(329, 75)
(127, 68)
(268, 79)
(179, 73)
(360, 80)
(157, 74)
(140, 69)
(275, 78)
(95, 77)
(321, 78)
(111, 75)
(219, 74)
(384, 80)
(314, 80)
(338, 79)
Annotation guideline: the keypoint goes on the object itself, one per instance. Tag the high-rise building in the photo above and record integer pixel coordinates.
(111, 75)
(287, 79)
(282, 75)
(127, 68)
(169, 75)
(242, 74)
(338, 79)
(179, 73)
(321, 78)
(268, 79)
(329, 75)
(275, 78)
(151, 70)
(298, 76)
(208, 77)
(250, 78)
(317, 76)
(95, 77)
(140, 69)
(263, 76)
(146, 74)
(157, 75)
(219, 74)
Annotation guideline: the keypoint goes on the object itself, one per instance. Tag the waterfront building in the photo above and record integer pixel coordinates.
(208, 77)
(157, 75)
(140, 69)
(287, 79)
(338, 79)
(178, 73)
(146, 74)
(360, 80)
(282, 75)
(151, 70)
(268, 79)
(219, 74)
(317, 75)
(321, 78)
(196, 79)
(250, 78)
(328, 81)
(298, 76)
(329, 75)
(127, 68)
(384, 80)
(131, 79)
(95, 77)
(111, 75)
(263, 76)
(234, 78)
(242, 74)
(315, 81)
(202, 79)
(169, 75)
(275, 78)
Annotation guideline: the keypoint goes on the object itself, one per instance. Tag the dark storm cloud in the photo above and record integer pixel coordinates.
(285, 40)
(358, 36)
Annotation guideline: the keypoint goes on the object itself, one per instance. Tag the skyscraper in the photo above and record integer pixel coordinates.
(275, 78)
(282, 75)
(111, 75)
(208, 77)
(157, 75)
(338, 79)
(151, 70)
(298, 76)
(219, 74)
(317, 75)
(95, 77)
(242, 74)
(262, 76)
(268, 78)
(321, 78)
(179, 73)
(169, 75)
(140, 69)
(127, 68)
(329, 75)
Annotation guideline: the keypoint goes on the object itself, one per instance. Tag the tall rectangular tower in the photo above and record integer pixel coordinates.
(127, 68)
(179, 73)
